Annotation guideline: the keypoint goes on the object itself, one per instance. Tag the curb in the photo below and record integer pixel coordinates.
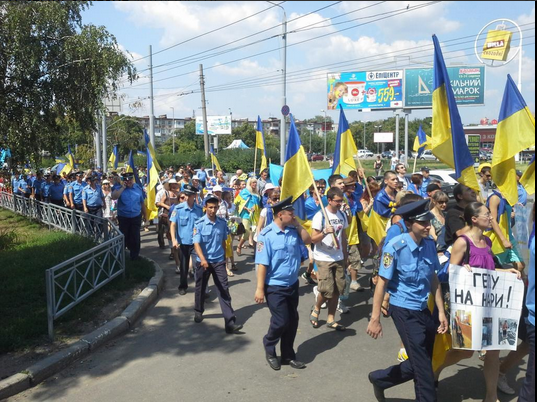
(49, 366)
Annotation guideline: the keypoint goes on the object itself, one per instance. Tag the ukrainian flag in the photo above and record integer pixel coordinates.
(297, 176)
(448, 139)
(528, 178)
(214, 162)
(421, 142)
(260, 144)
(132, 168)
(114, 157)
(152, 180)
(515, 133)
(345, 148)
(149, 146)
(70, 165)
(383, 207)
(504, 222)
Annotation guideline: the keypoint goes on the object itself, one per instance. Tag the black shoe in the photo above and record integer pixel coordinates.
(182, 291)
(377, 390)
(294, 364)
(198, 317)
(273, 362)
(233, 329)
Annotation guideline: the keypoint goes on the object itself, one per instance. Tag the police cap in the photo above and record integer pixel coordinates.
(431, 187)
(190, 190)
(425, 169)
(416, 211)
(286, 204)
(210, 199)
(127, 175)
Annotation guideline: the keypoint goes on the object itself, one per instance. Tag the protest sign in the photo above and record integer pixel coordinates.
(485, 308)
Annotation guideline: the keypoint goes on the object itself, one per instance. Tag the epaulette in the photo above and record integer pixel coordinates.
(400, 244)
(266, 230)
(199, 220)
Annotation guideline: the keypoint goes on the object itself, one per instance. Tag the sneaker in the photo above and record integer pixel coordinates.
(503, 386)
(355, 286)
(342, 308)
(306, 276)
(316, 293)
(177, 270)
(402, 356)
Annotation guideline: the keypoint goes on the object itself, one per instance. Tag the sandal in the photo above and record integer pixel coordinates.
(234, 267)
(230, 273)
(314, 320)
(336, 326)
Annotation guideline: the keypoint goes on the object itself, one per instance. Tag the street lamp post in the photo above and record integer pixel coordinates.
(377, 128)
(322, 110)
(364, 135)
(173, 128)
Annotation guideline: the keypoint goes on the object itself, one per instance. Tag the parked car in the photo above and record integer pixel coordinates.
(386, 155)
(210, 174)
(428, 156)
(365, 154)
(317, 157)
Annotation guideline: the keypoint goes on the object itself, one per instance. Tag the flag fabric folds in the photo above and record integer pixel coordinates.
(297, 176)
(383, 207)
(448, 139)
(152, 180)
(214, 162)
(260, 144)
(114, 157)
(70, 164)
(345, 148)
(421, 142)
(515, 133)
(528, 178)
(149, 146)
(132, 168)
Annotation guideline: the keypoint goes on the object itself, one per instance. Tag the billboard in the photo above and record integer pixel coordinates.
(366, 90)
(383, 137)
(497, 45)
(468, 83)
(474, 145)
(215, 125)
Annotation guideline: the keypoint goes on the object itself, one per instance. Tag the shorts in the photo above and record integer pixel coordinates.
(355, 258)
(330, 278)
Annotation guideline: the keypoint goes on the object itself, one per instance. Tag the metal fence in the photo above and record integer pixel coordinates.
(72, 281)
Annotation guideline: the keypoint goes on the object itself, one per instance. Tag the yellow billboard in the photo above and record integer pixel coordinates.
(497, 45)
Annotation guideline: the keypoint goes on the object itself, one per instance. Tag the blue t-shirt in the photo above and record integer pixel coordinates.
(211, 237)
(410, 269)
(279, 252)
(202, 175)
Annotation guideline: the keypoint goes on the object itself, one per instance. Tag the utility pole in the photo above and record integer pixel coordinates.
(204, 110)
(397, 133)
(152, 114)
(324, 153)
(407, 112)
(364, 135)
(173, 128)
(104, 165)
(97, 139)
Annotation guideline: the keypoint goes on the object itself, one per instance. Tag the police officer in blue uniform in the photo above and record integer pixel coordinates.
(75, 192)
(130, 211)
(407, 271)
(209, 237)
(278, 258)
(45, 188)
(37, 184)
(56, 191)
(182, 221)
(93, 198)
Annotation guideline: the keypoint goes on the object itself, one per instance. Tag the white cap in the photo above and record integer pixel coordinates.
(195, 178)
(217, 188)
(269, 186)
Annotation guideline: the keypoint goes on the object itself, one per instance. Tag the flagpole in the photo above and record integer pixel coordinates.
(323, 209)
(366, 184)
(415, 160)
(255, 157)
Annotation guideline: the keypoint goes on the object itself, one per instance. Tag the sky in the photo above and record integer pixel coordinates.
(240, 46)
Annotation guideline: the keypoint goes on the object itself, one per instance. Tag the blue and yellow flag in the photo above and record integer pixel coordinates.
(448, 139)
(149, 146)
(345, 148)
(528, 178)
(70, 164)
(214, 162)
(152, 180)
(260, 144)
(132, 168)
(297, 176)
(114, 157)
(421, 142)
(383, 208)
(515, 133)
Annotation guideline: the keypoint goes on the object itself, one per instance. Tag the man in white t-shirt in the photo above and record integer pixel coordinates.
(393, 162)
(330, 257)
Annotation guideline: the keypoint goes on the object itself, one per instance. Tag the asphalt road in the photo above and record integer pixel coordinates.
(168, 357)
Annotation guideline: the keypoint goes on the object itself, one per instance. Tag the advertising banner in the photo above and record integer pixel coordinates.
(468, 83)
(383, 137)
(485, 308)
(474, 145)
(366, 90)
(215, 125)
(497, 45)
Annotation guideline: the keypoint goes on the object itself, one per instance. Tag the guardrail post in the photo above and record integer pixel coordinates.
(50, 304)
(73, 221)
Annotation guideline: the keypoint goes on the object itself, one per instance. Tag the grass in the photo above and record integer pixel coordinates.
(31, 250)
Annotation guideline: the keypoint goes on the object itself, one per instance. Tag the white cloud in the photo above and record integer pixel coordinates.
(527, 18)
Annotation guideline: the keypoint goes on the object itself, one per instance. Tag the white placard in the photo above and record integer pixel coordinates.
(485, 308)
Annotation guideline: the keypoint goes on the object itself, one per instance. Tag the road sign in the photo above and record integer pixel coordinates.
(285, 110)
(468, 83)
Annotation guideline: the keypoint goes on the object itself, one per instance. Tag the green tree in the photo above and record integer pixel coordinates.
(52, 68)
(126, 132)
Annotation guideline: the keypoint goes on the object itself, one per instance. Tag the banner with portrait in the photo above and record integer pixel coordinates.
(485, 308)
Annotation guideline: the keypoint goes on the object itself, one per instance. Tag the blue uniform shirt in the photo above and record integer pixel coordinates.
(129, 204)
(530, 296)
(76, 189)
(279, 252)
(211, 237)
(93, 197)
(202, 175)
(184, 218)
(66, 188)
(522, 195)
(394, 231)
(410, 269)
(45, 188)
(37, 185)
(23, 184)
(424, 185)
(56, 191)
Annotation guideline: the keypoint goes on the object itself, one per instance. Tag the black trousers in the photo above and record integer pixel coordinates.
(283, 304)
(218, 271)
(527, 391)
(96, 210)
(130, 228)
(58, 202)
(417, 331)
(186, 251)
